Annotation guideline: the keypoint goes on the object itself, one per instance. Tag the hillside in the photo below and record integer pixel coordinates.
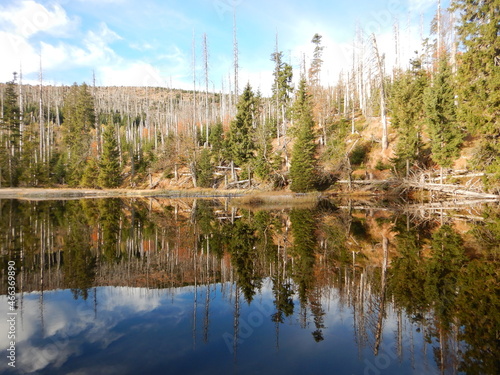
(434, 125)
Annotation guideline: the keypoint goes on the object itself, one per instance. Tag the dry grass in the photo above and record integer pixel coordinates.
(277, 200)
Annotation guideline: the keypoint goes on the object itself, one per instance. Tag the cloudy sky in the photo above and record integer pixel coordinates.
(150, 42)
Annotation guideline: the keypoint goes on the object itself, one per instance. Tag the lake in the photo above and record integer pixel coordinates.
(201, 286)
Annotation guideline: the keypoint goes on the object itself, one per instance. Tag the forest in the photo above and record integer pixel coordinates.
(437, 116)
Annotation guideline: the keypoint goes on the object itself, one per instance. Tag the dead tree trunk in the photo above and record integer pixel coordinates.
(383, 110)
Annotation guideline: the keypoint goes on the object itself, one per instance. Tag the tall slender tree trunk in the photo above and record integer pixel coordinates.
(383, 110)
(41, 134)
(205, 63)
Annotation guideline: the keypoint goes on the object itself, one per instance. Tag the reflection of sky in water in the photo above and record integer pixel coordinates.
(140, 331)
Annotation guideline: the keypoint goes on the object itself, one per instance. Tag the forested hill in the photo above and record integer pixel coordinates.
(440, 111)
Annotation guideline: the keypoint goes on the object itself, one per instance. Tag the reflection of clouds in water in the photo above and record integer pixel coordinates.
(77, 339)
(133, 299)
(69, 324)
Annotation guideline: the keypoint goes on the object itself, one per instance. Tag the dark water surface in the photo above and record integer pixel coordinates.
(110, 286)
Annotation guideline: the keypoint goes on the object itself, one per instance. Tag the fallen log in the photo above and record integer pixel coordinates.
(365, 182)
(450, 189)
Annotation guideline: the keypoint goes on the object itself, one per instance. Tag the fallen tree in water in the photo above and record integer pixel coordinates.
(470, 185)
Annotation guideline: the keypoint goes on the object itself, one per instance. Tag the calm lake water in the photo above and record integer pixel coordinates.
(159, 286)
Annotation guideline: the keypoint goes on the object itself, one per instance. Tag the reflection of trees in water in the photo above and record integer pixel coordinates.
(79, 261)
(304, 226)
(447, 283)
(443, 290)
(241, 246)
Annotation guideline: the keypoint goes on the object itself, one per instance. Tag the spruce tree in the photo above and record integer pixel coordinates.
(479, 73)
(315, 69)
(204, 169)
(283, 73)
(9, 126)
(406, 104)
(90, 174)
(479, 79)
(78, 121)
(109, 164)
(216, 139)
(282, 87)
(263, 162)
(239, 144)
(444, 132)
(303, 164)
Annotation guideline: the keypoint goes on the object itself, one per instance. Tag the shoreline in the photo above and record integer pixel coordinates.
(255, 196)
(76, 193)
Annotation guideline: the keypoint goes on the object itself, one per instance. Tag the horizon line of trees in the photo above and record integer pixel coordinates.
(303, 137)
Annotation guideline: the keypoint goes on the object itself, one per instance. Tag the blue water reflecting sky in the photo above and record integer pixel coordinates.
(123, 330)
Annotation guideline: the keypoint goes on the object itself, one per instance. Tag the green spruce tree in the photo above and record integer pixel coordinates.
(444, 132)
(109, 164)
(282, 90)
(303, 164)
(90, 174)
(204, 169)
(78, 121)
(479, 79)
(408, 115)
(283, 73)
(317, 61)
(240, 144)
(10, 140)
(216, 140)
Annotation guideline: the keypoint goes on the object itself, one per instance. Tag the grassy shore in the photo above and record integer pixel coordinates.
(75, 193)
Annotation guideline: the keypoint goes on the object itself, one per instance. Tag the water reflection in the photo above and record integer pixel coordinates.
(199, 286)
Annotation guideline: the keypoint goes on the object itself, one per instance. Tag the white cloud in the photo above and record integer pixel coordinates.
(131, 74)
(103, 36)
(422, 5)
(17, 51)
(67, 325)
(145, 46)
(94, 52)
(29, 18)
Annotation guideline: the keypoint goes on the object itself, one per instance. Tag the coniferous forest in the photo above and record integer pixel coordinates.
(437, 119)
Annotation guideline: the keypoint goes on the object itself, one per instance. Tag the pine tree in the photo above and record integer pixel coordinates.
(282, 89)
(32, 173)
(109, 164)
(263, 160)
(9, 129)
(479, 78)
(283, 74)
(90, 174)
(204, 169)
(303, 164)
(445, 135)
(315, 69)
(406, 104)
(240, 145)
(79, 119)
(479, 73)
(216, 140)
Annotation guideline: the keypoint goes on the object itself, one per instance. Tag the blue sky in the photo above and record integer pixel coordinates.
(149, 42)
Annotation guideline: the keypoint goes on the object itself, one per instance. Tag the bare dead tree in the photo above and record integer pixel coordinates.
(235, 56)
(40, 121)
(205, 65)
(383, 110)
(194, 86)
(96, 121)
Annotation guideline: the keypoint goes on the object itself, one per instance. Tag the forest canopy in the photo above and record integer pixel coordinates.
(439, 111)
